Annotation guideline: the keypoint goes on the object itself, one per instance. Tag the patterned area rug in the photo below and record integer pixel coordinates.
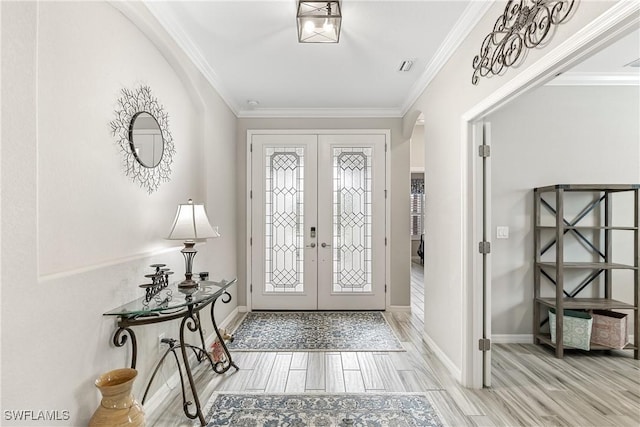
(297, 410)
(315, 331)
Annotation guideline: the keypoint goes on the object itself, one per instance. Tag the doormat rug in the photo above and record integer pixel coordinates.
(315, 331)
(320, 410)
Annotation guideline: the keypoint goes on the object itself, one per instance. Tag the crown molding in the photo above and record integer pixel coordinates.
(467, 22)
(321, 113)
(193, 53)
(595, 79)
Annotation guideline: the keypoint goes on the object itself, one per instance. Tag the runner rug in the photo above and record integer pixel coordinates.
(318, 410)
(315, 331)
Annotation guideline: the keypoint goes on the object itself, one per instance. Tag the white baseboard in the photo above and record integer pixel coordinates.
(399, 308)
(242, 309)
(519, 338)
(512, 339)
(455, 372)
(153, 403)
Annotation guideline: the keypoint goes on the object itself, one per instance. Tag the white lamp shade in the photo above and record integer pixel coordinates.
(191, 223)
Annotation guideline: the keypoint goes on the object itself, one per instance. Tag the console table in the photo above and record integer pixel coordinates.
(173, 303)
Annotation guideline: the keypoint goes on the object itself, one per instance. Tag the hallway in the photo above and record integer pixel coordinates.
(530, 386)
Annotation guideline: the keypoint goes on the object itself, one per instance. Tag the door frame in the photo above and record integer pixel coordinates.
(248, 189)
(615, 22)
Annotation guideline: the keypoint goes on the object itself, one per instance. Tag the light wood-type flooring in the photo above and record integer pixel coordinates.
(530, 386)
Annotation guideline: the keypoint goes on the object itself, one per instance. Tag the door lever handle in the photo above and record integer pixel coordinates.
(312, 245)
(324, 245)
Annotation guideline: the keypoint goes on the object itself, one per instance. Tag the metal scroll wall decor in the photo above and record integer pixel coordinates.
(131, 105)
(525, 24)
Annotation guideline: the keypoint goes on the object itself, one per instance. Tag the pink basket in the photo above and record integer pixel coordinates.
(609, 329)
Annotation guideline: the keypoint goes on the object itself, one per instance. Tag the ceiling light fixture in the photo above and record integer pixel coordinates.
(319, 21)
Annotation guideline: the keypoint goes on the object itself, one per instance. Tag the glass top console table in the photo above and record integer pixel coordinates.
(173, 303)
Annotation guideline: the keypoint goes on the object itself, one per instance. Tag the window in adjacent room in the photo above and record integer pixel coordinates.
(417, 206)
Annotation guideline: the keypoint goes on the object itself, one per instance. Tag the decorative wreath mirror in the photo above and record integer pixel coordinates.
(142, 129)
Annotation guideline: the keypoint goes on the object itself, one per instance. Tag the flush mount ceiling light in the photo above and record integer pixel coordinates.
(319, 21)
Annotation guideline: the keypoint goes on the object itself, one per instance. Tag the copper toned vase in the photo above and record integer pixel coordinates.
(118, 407)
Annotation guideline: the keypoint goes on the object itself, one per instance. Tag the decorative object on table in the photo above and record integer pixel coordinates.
(525, 24)
(204, 275)
(609, 329)
(118, 407)
(319, 21)
(142, 129)
(576, 328)
(309, 331)
(217, 352)
(159, 281)
(322, 409)
(190, 224)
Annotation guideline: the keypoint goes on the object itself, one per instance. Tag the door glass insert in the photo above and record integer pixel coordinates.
(352, 217)
(284, 219)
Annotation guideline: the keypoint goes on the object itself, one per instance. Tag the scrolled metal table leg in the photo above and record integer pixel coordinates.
(119, 340)
(190, 321)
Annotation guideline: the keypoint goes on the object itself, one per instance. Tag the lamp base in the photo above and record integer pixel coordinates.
(188, 283)
(189, 252)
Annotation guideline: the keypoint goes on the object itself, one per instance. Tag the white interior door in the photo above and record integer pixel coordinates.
(487, 229)
(318, 222)
(482, 139)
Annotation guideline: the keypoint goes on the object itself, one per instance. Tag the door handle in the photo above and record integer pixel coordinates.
(324, 245)
(312, 245)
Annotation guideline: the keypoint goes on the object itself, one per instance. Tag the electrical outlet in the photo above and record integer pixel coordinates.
(161, 345)
(502, 232)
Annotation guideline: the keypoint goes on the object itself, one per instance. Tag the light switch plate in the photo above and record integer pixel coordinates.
(502, 232)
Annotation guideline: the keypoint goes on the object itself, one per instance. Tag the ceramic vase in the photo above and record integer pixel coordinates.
(118, 407)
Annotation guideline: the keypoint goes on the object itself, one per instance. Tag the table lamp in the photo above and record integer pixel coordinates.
(191, 224)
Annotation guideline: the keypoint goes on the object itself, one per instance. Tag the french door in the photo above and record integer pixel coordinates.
(318, 221)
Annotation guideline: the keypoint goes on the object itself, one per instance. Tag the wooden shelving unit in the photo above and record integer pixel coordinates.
(554, 271)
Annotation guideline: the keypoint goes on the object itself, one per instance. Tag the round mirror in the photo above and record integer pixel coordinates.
(145, 138)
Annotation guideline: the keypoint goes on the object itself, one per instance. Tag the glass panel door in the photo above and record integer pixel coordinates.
(284, 273)
(351, 199)
(318, 222)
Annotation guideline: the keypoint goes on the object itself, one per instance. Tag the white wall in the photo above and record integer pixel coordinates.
(399, 195)
(444, 102)
(417, 165)
(77, 235)
(557, 135)
(417, 149)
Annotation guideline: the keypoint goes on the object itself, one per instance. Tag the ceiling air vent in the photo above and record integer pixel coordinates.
(406, 65)
(635, 63)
